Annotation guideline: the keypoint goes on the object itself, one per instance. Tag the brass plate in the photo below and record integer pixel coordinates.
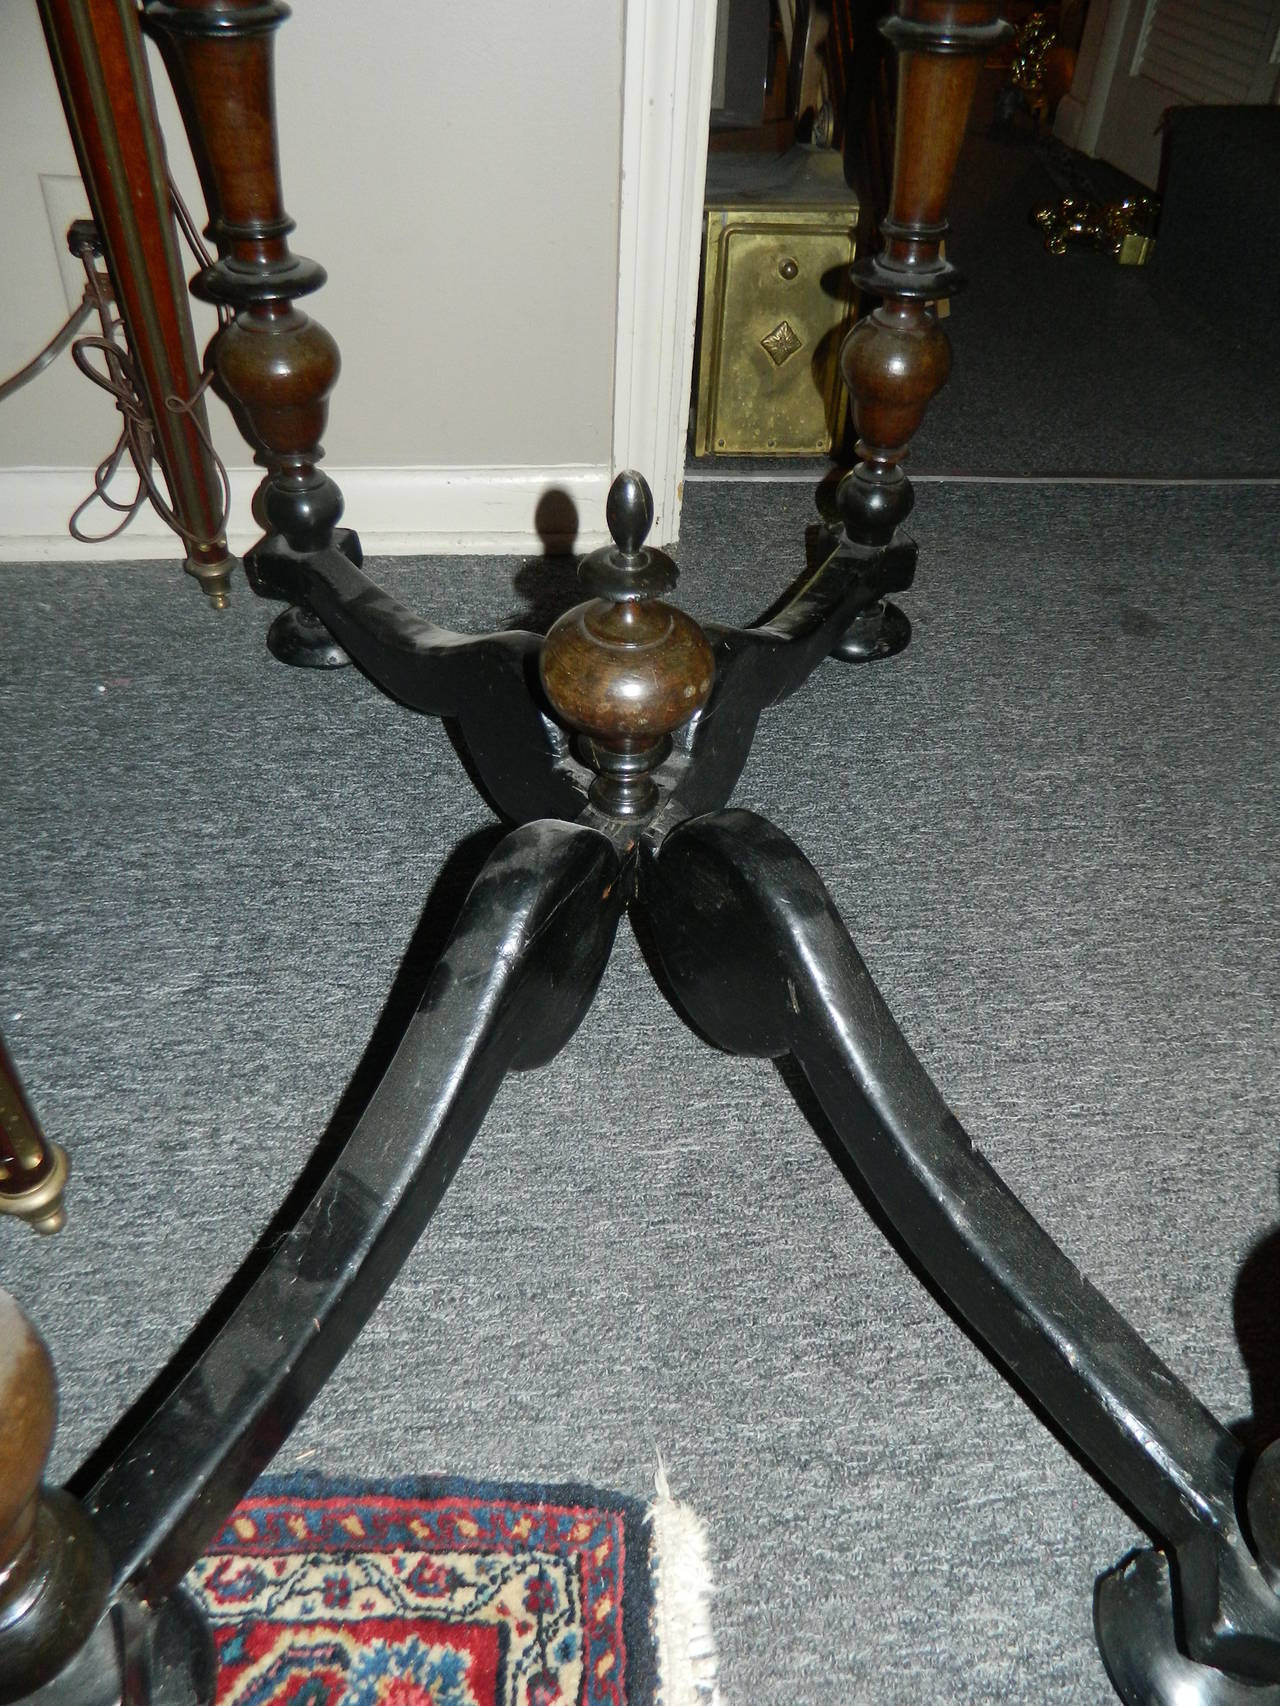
(776, 305)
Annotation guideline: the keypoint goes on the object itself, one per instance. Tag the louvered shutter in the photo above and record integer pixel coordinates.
(1210, 51)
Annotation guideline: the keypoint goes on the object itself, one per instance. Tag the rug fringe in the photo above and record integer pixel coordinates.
(688, 1663)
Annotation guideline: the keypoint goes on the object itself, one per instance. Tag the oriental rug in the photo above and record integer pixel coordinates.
(434, 1592)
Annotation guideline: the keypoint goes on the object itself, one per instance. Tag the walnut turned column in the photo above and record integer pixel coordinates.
(274, 365)
(896, 358)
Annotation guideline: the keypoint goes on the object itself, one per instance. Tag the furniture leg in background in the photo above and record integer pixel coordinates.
(100, 65)
(274, 365)
(898, 356)
(613, 745)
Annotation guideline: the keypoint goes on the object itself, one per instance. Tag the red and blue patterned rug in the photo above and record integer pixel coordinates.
(430, 1593)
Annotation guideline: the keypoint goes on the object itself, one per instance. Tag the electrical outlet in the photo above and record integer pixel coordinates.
(65, 200)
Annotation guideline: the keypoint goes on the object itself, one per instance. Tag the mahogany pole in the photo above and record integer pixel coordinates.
(98, 60)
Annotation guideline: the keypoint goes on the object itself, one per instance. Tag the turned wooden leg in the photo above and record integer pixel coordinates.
(97, 54)
(54, 1573)
(274, 365)
(897, 357)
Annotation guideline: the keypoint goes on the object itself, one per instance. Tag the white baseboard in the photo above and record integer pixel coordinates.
(396, 512)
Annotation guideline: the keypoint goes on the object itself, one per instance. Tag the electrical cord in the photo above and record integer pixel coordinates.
(52, 350)
(118, 377)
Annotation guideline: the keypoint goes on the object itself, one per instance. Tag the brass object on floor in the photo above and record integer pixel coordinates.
(1120, 228)
(33, 1171)
(1026, 74)
(776, 303)
(39, 1204)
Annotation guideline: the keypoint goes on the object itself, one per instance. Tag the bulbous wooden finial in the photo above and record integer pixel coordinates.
(625, 669)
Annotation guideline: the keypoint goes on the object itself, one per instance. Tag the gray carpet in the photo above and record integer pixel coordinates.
(1050, 824)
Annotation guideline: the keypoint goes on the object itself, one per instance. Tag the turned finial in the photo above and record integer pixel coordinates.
(625, 669)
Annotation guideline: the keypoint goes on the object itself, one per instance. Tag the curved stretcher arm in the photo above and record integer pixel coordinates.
(760, 960)
(515, 979)
(486, 683)
(762, 664)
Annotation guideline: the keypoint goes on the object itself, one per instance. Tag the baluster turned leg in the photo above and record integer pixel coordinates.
(96, 50)
(897, 357)
(274, 365)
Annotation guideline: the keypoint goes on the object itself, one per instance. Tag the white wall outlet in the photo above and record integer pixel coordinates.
(65, 200)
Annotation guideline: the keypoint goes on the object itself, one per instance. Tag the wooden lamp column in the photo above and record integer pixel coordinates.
(898, 356)
(274, 365)
(99, 62)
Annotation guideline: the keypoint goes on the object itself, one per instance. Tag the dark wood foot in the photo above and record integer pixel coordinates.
(759, 959)
(880, 632)
(298, 638)
(274, 365)
(97, 54)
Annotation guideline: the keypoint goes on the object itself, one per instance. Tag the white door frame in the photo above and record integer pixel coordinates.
(666, 115)
(1081, 112)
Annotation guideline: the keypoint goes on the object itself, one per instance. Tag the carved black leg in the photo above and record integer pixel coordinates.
(760, 960)
(507, 994)
(515, 980)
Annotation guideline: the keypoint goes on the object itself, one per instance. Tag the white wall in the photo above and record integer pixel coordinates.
(1115, 111)
(457, 171)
